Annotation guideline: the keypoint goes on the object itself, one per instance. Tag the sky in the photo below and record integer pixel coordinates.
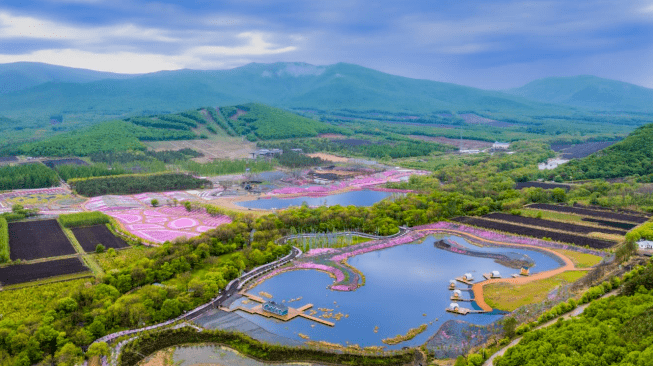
(493, 44)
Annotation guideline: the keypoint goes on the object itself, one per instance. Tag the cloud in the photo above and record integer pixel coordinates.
(256, 46)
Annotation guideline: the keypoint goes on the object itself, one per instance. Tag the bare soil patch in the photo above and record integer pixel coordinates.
(22, 273)
(332, 136)
(478, 120)
(239, 112)
(466, 144)
(38, 239)
(217, 147)
(329, 157)
(89, 237)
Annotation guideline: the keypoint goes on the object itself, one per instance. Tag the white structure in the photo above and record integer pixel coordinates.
(471, 151)
(500, 145)
(468, 277)
(496, 274)
(456, 293)
(645, 244)
(454, 306)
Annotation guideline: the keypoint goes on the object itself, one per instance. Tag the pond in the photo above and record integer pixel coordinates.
(406, 286)
(217, 355)
(356, 198)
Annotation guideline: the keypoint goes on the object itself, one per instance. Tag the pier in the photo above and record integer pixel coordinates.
(292, 312)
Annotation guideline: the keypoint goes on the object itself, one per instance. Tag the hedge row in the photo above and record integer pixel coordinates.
(4, 240)
(83, 219)
(149, 343)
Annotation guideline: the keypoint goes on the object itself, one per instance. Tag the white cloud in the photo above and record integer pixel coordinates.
(257, 46)
(12, 26)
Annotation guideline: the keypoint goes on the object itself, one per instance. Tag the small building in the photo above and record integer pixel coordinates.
(452, 284)
(496, 274)
(468, 277)
(298, 151)
(457, 294)
(275, 308)
(524, 271)
(645, 244)
(470, 151)
(500, 145)
(454, 306)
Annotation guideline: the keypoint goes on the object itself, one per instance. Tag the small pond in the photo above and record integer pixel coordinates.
(217, 355)
(356, 198)
(406, 286)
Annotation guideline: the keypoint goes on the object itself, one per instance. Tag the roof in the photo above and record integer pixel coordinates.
(275, 305)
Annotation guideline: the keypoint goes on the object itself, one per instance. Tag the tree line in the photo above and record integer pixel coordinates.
(132, 184)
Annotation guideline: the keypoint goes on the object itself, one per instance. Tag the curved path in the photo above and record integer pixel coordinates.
(477, 288)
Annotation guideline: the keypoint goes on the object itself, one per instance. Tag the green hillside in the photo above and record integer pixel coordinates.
(589, 92)
(633, 155)
(261, 122)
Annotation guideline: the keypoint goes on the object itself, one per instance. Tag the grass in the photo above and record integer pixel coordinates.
(32, 302)
(508, 297)
(550, 215)
(581, 260)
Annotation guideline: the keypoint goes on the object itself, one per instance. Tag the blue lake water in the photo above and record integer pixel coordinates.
(406, 286)
(356, 198)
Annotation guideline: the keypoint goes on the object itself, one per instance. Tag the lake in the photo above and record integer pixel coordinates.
(356, 198)
(406, 286)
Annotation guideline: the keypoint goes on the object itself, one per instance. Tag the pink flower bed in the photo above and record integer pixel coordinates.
(381, 244)
(318, 251)
(167, 223)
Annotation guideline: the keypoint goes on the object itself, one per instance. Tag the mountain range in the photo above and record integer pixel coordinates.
(30, 91)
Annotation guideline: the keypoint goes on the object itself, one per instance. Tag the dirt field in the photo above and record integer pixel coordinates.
(215, 147)
(467, 144)
(329, 157)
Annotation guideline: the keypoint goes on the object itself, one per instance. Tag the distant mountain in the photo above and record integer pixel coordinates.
(22, 75)
(289, 85)
(588, 92)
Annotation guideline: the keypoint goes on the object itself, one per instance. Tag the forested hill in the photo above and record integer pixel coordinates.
(633, 155)
(296, 85)
(589, 92)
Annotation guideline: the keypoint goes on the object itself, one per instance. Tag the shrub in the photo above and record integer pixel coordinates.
(83, 219)
(4, 240)
(154, 202)
(100, 248)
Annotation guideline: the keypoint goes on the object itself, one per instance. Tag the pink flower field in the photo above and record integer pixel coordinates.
(163, 224)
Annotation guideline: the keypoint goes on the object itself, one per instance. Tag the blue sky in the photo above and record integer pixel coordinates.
(488, 44)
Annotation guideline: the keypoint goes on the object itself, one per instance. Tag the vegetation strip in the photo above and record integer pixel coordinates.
(138, 349)
(592, 213)
(412, 333)
(551, 224)
(4, 240)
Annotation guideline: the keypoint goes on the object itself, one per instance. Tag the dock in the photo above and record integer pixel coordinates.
(489, 276)
(460, 299)
(292, 312)
(461, 279)
(461, 311)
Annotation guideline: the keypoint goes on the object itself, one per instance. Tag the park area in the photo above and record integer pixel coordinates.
(162, 224)
(21, 273)
(30, 240)
(89, 237)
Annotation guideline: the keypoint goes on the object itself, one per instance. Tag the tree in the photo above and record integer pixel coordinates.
(98, 349)
(155, 202)
(68, 355)
(509, 325)
(99, 248)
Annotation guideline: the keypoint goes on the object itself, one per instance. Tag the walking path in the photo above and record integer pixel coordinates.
(579, 310)
(477, 288)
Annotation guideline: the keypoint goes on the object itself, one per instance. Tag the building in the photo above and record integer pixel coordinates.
(457, 294)
(470, 151)
(298, 151)
(496, 274)
(275, 308)
(524, 271)
(454, 306)
(645, 244)
(468, 277)
(452, 285)
(500, 145)
(266, 153)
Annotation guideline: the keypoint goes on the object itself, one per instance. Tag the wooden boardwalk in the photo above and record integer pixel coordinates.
(292, 312)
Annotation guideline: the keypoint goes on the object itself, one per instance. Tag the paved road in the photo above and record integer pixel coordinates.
(575, 312)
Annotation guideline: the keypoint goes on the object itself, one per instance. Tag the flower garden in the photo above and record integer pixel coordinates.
(142, 200)
(46, 200)
(163, 224)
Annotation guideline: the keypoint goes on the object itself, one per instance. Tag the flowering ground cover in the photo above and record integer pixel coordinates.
(46, 199)
(355, 183)
(142, 200)
(163, 224)
(347, 278)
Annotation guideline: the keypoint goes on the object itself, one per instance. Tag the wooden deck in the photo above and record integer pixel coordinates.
(292, 312)
(461, 279)
(461, 311)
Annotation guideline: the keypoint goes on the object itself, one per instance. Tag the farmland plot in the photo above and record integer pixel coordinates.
(22, 273)
(38, 239)
(592, 213)
(90, 236)
(620, 225)
(531, 221)
(536, 233)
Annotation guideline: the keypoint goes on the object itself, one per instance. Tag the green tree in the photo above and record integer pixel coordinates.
(99, 248)
(155, 202)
